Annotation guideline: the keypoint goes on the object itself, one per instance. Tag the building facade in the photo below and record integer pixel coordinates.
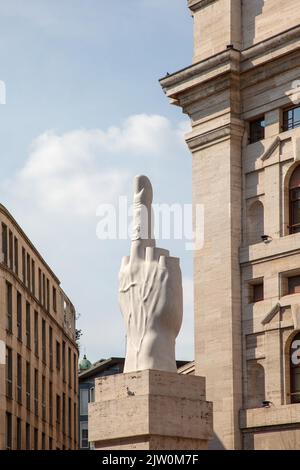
(87, 374)
(38, 351)
(242, 94)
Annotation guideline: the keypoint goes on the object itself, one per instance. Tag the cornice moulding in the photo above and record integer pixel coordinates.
(196, 5)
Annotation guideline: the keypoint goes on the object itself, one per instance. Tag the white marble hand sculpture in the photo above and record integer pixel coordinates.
(150, 292)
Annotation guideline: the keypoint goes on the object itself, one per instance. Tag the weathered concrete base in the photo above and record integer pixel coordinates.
(150, 410)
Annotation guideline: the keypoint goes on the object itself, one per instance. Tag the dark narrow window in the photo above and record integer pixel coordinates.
(51, 348)
(4, 243)
(64, 360)
(16, 256)
(70, 418)
(44, 398)
(33, 276)
(295, 201)
(48, 295)
(257, 129)
(50, 403)
(291, 118)
(54, 299)
(28, 272)
(50, 443)
(19, 434)
(36, 392)
(36, 333)
(43, 441)
(57, 355)
(75, 421)
(19, 378)
(28, 325)
(19, 316)
(24, 265)
(44, 340)
(11, 250)
(64, 413)
(40, 285)
(70, 367)
(9, 373)
(295, 369)
(58, 411)
(9, 307)
(36, 439)
(28, 385)
(8, 431)
(257, 292)
(75, 372)
(44, 290)
(27, 436)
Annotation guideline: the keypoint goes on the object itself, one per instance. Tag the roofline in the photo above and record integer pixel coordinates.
(99, 366)
(6, 212)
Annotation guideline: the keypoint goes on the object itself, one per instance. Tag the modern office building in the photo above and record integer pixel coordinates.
(38, 351)
(242, 94)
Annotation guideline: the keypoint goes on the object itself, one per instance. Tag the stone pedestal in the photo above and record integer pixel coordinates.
(150, 410)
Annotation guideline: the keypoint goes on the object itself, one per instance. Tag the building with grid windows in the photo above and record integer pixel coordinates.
(38, 350)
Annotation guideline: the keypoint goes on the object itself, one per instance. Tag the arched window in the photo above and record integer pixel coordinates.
(255, 222)
(294, 190)
(295, 369)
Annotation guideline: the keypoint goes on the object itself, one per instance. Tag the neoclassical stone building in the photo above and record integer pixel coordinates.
(242, 94)
(38, 350)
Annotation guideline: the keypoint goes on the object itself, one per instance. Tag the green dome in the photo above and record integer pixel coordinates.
(85, 364)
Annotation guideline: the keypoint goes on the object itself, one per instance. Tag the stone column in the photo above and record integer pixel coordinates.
(150, 410)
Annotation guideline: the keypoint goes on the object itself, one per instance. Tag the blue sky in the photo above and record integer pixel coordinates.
(84, 114)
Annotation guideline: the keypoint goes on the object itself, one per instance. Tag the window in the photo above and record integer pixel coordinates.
(84, 400)
(16, 256)
(8, 431)
(70, 418)
(19, 378)
(75, 420)
(50, 443)
(28, 325)
(9, 373)
(64, 413)
(19, 316)
(19, 434)
(36, 333)
(28, 272)
(36, 392)
(40, 285)
(11, 250)
(70, 366)
(51, 348)
(44, 398)
(64, 360)
(44, 290)
(33, 276)
(28, 385)
(54, 299)
(294, 285)
(36, 439)
(57, 355)
(291, 118)
(75, 371)
(294, 188)
(43, 441)
(24, 265)
(4, 243)
(92, 394)
(9, 307)
(84, 437)
(50, 403)
(257, 129)
(48, 295)
(295, 369)
(27, 436)
(256, 291)
(57, 409)
(44, 340)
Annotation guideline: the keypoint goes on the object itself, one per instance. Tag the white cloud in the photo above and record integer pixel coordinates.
(72, 173)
